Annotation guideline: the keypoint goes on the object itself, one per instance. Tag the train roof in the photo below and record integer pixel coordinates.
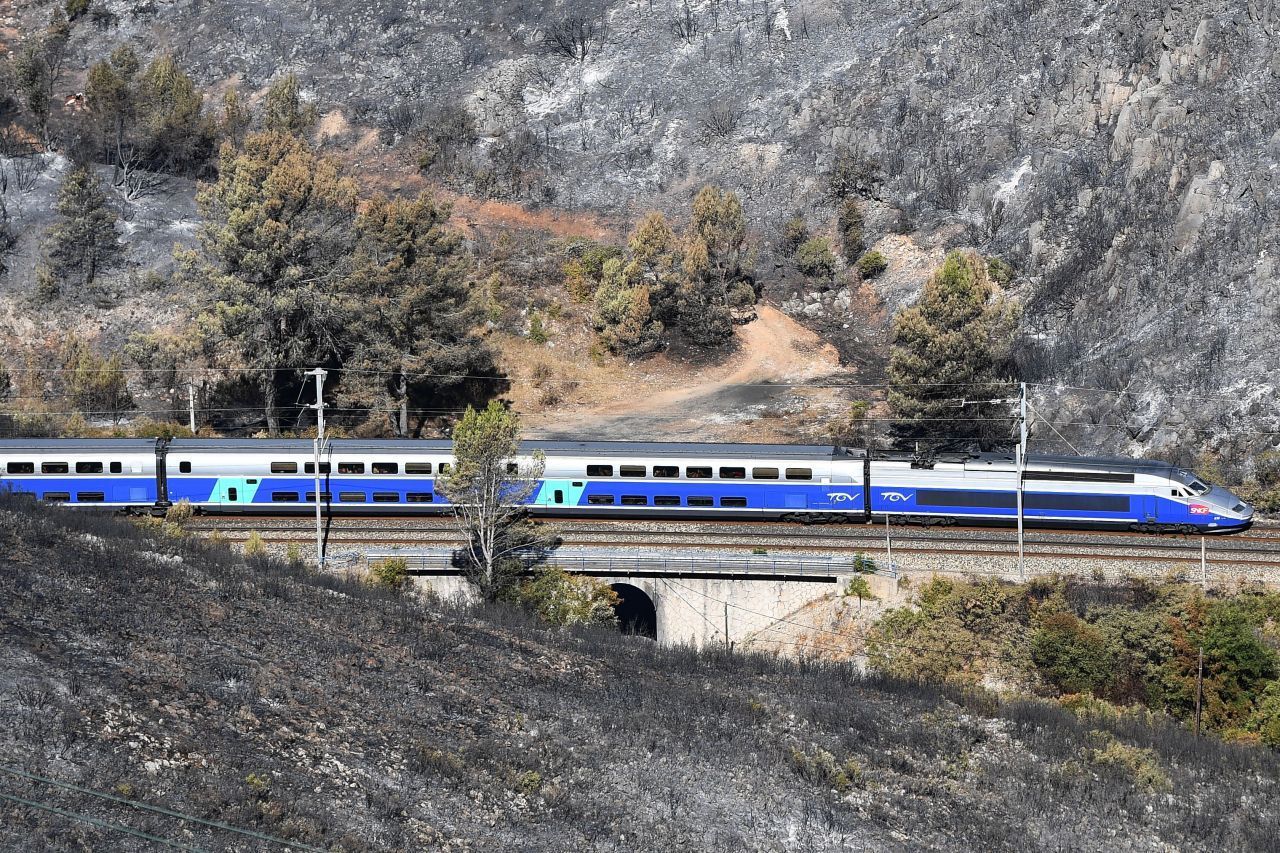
(556, 447)
(138, 445)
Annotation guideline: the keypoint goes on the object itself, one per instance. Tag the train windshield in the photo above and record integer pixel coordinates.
(1193, 483)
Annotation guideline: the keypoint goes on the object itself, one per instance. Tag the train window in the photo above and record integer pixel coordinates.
(577, 485)
(666, 471)
(231, 494)
(116, 468)
(764, 473)
(1088, 503)
(699, 500)
(88, 467)
(310, 467)
(350, 467)
(251, 481)
(799, 473)
(599, 470)
(284, 467)
(386, 497)
(635, 500)
(631, 470)
(420, 497)
(56, 497)
(21, 468)
(351, 497)
(325, 497)
(733, 502)
(54, 468)
(732, 473)
(285, 497)
(386, 468)
(513, 469)
(666, 500)
(185, 468)
(1078, 476)
(600, 499)
(445, 467)
(90, 497)
(417, 467)
(958, 497)
(698, 472)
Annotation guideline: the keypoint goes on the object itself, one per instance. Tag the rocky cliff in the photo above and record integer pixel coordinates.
(1121, 156)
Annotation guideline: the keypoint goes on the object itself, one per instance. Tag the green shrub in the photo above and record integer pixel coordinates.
(822, 768)
(180, 512)
(392, 573)
(794, 233)
(1072, 655)
(871, 264)
(537, 329)
(76, 8)
(999, 271)
(814, 258)
(1141, 766)
(560, 598)
(849, 221)
(254, 546)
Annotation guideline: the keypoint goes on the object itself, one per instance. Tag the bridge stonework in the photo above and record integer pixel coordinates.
(701, 611)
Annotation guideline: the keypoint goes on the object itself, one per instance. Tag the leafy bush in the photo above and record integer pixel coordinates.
(850, 221)
(560, 598)
(1141, 766)
(392, 573)
(814, 258)
(871, 264)
(1072, 655)
(254, 546)
(76, 8)
(794, 233)
(180, 512)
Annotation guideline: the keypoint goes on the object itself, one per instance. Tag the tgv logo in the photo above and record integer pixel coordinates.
(841, 497)
(896, 497)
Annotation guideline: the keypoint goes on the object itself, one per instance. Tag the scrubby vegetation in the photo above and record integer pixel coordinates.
(1202, 659)
(331, 712)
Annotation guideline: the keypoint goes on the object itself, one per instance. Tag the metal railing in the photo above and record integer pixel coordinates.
(586, 562)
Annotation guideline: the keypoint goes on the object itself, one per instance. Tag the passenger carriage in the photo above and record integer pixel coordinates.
(633, 479)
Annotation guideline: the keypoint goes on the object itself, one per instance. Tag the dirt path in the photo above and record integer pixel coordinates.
(735, 400)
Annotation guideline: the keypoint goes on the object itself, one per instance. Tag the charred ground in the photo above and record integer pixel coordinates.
(175, 672)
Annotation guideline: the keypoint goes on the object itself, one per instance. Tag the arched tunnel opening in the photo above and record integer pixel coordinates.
(636, 612)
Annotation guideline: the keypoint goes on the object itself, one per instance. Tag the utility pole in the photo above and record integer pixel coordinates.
(1022, 463)
(1204, 567)
(728, 645)
(1199, 687)
(888, 544)
(316, 445)
(191, 406)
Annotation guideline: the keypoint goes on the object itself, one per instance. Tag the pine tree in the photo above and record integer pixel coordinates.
(955, 342)
(284, 111)
(411, 309)
(84, 241)
(274, 252)
(177, 134)
(623, 314)
(712, 257)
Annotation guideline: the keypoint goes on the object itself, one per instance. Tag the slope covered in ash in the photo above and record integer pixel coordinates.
(173, 673)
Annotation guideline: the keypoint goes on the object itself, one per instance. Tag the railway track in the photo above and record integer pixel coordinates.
(1256, 549)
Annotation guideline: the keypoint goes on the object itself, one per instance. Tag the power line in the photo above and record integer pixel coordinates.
(101, 824)
(157, 809)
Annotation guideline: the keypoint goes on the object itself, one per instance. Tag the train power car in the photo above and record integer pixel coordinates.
(628, 479)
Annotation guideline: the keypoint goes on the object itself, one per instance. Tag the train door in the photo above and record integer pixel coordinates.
(231, 492)
(559, 493)
(1148, 507)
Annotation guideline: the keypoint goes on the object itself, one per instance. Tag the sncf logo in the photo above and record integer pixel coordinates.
(1199, 509)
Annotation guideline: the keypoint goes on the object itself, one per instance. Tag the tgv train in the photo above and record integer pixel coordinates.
(627, 479)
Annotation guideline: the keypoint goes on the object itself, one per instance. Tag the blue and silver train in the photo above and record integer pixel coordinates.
(628, 479)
